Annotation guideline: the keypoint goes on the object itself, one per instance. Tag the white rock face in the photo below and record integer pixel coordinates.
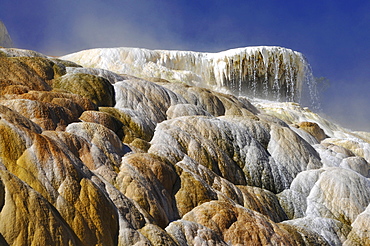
(339, 194)
(226, 147)
(293, 113)
(333, 231)
(360, 233)
(267, 72)
(146, 97)
(190, 233)
(110, 76)
(332, 198)
(5, 39)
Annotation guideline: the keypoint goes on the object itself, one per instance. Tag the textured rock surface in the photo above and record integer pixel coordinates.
(92, 157)
(227, 148)
(148, 181)
(326, 231)
(216, 104)
(239, 225)
(360, 234)
(95, 88)
(34, 73)
(48, 116)
(135, 124)
(313, 129)
(191, 233)
(27, 218)
(148, 98)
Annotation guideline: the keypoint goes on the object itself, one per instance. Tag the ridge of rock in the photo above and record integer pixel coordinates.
(5, 39)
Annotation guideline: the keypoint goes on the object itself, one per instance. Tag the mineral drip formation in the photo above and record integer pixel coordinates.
(273, 73)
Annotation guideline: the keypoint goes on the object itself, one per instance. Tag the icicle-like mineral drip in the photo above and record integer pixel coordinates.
(263, 72)
(254, 78)
(276, 85)
(265, 90)
(311, 84)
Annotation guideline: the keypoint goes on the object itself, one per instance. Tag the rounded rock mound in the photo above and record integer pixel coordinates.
(95, 88)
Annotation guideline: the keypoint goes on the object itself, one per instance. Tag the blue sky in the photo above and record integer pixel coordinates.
(333, 35)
